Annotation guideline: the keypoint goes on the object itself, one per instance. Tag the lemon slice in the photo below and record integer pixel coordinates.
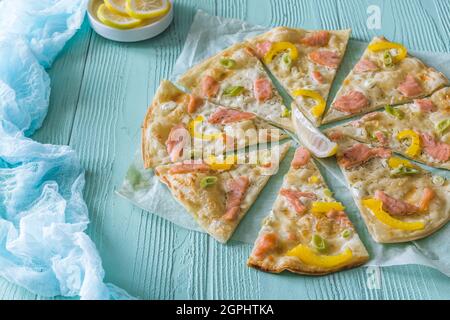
(310, 136)
(147, 9)
(116, 6)
(116, 20)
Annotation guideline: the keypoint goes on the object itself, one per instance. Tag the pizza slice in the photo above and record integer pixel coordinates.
(419, 130)
(236, 78)
(218, 192)
(385, 75)
(398, 201)
(304, 62)
(307, 231)
(180, 126)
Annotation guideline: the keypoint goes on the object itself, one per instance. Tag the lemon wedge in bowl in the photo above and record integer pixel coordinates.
(147, 9)
(310, 136)
(115, 20)
(117, 6)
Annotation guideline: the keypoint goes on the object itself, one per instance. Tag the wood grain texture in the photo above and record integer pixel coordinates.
(101, 90)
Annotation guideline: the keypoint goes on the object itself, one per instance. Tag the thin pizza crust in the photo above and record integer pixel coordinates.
(292, 228)
(169, 108)
(246, 71)
(208, 205)
(381, 86)
(299, 74)
(413, 118)
(373, 175)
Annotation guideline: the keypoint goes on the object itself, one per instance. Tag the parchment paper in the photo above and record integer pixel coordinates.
(210, 34)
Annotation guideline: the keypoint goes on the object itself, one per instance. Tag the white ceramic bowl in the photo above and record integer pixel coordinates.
(127, 35)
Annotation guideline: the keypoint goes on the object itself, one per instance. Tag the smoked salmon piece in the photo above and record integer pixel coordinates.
(265, 244)
(410, 87)
(225, 116)
(325, 58)
(301, 158)
(360, 153)
(194, 103)
(262, 48)
(425, 105)
(178, 138)
(352, 102)
(316, 39)
(437, 150)
(365, 65)
(263, 89)
(237, 189)
(293, 196)
(210, 87)
(317, 76)
(394, 206)
(189, 166)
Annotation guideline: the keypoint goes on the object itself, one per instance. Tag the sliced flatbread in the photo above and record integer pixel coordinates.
(419, 130)
(179, 126)
(304, 62)
(236, 78)
(307, 231)
(385, 75)
(399, 201)
(218, 196)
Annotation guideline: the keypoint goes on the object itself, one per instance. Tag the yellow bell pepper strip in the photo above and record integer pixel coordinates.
(319, 108)
(376, 206)
(313, 179)
(278, 47)
(386, 45)
(309, 257)
(395, 162)
(414, 149)
(219, 164)
(192, 125)
(324, 207)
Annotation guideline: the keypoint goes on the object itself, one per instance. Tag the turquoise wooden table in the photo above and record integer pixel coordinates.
(100, 93)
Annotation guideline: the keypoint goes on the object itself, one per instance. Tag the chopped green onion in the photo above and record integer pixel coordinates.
(327, 193)
(287, 60)
(208, 181)
(233, 91)
(319, 243)
(404, 171)
(443, 125)
(438, 180)
(346, 233)
(286, 113)
(228, 63)
(394, 112)
(133, 176)
(387, 59)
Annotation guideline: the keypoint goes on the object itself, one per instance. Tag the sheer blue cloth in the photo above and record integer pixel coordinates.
(43, 217)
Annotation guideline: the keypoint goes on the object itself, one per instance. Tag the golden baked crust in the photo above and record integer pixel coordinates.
(373, 175)
(207, 206)
(169, 108)
(412, 119)
(291, 229)
(380, 87)
(299, 74)
(246, 71)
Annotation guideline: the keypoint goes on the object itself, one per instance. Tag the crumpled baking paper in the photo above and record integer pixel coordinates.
(43, 216)
(210, 34)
